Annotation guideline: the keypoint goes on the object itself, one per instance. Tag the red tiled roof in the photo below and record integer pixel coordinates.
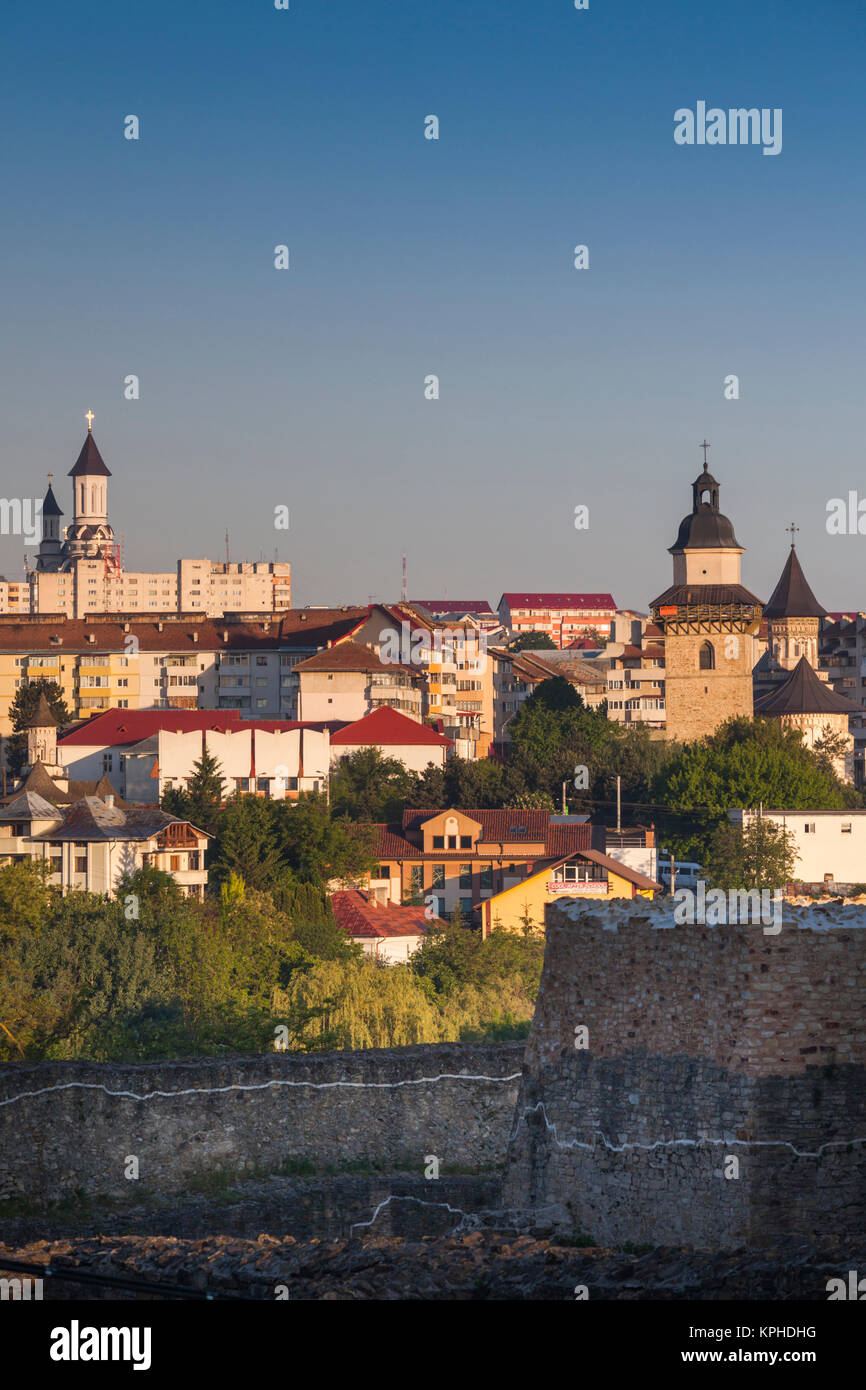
(386, 726)
(117, 726)
(559, 601)
(350, 656)
(356, 915)
(451, 605)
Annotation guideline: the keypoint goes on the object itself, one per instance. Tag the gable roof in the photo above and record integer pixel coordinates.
(389, 727)
(43, 718)
(360, 917)
(804, 693)
(349, 656)
(792, 597)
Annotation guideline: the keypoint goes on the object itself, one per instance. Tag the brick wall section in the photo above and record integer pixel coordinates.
(696, 1034)
(76, 1140)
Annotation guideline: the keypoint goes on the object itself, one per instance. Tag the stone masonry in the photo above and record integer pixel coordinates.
(705, 1045)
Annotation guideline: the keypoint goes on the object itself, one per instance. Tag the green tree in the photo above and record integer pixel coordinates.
(759, 854)
(247, 844)
(532, 641)
(367, 786)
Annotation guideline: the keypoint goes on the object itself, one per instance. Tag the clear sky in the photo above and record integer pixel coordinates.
(409, 257)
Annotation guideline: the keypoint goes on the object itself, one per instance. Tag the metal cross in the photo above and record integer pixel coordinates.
(705, 446)
(89, 417)
(792, 528)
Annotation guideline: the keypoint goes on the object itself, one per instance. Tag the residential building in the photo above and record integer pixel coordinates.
(14, 595)
(349, 680)
(91, 844)
(415, 745)
(830, 846)
(517, 674)
(562, 617)
(452, 659)
(147, 752)
(388, 933)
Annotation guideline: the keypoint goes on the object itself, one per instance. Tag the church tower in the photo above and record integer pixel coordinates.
(709, 620)
(90, 535)
(793, 617)
(50, 549)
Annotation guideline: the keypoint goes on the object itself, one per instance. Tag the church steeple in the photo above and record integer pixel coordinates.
(89, 533)
(49, 554)
(793, 616)
(706, 551)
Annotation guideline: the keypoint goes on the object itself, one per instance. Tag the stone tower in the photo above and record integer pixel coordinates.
(805, 703)
(42, 736)
(710, 622)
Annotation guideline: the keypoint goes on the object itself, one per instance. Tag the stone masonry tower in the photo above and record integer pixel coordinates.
(710, 622)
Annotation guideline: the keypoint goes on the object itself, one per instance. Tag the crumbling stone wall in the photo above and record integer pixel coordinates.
(71, 1128)
(704, 1045)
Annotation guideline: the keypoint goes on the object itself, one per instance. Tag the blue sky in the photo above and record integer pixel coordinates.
(558, 387)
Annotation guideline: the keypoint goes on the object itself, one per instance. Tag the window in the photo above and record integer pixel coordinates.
(174, 862)
(466, 907)
(452, 841)
(193, 859)
(486, 879)
(263, 784)
(465, 841)
(809, 828)
(846, 827)
(465, 875)
(438, 841)
(242, 784)
(438, 880)
(80, 861)
(107, 759)
(707, 657)
(416, 878)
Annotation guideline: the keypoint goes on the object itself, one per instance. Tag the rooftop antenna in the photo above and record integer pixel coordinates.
(403, 590)
(227, 546)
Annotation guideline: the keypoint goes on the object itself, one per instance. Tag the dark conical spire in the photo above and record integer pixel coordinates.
(89, 461)
(804, 693)
(792, 597)
(49, 505)
(43, 718)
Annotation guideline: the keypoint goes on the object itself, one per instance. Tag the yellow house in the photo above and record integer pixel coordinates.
(588, 874)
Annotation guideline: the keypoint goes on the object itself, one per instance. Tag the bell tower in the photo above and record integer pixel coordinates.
(709, 620)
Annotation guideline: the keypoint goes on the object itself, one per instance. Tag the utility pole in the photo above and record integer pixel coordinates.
(673, 874)
(564, 805)
(618, 804)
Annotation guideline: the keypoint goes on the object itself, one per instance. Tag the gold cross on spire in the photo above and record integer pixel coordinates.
(89, 417)
(50, 479)
(705, 446)
(792, 528)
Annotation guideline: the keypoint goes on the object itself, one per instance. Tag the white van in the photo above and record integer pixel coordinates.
(686, 870)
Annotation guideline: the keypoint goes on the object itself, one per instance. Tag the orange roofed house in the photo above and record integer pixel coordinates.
(391, 934)
(497, 867)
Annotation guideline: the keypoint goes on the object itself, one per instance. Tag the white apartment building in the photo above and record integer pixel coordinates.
(830, 845)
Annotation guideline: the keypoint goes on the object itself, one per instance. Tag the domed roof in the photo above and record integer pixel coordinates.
(705, 528)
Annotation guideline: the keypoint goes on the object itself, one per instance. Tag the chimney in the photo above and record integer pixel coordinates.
(194, 636)
(109, 800)
(159, 626)
(225, 634)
